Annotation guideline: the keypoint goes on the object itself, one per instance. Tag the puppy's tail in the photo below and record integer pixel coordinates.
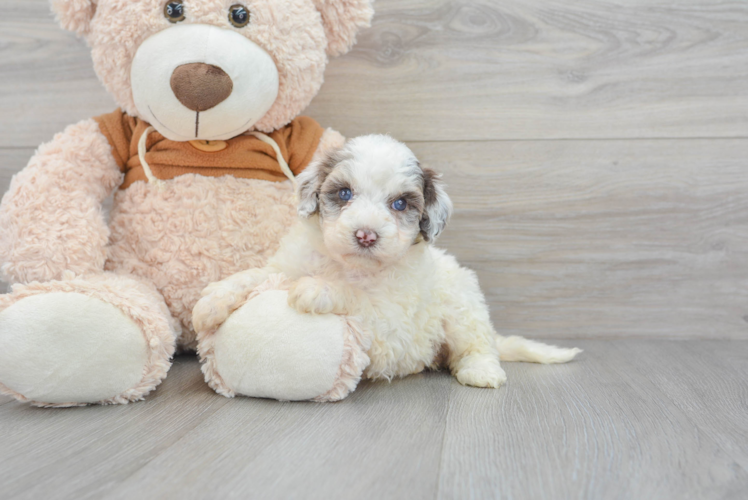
(521, 349)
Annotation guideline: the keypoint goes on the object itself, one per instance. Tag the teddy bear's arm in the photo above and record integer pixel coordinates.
(51, 218)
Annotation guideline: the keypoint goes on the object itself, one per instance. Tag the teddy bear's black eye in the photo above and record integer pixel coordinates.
(174, 11)
(239, 15)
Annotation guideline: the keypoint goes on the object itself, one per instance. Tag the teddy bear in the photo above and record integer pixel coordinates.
(200, 159)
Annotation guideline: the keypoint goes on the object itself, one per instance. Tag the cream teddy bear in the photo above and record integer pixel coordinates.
(199, 159)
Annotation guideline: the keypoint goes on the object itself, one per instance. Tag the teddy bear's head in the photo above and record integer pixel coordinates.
(213, 69)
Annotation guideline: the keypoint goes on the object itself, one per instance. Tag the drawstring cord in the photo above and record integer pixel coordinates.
(259, 135)
(141, 155)
(281, 161)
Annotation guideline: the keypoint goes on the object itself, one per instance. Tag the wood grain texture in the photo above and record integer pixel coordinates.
(596, 428)
(47, 80)
(603, 238)
(459, 69)
(707, 381)
(63, 453)
(11, 162)
(501, 69)
(384, 441)
(625, 420)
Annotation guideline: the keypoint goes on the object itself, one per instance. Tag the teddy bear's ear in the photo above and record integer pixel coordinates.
(342, 20)
(75, 15)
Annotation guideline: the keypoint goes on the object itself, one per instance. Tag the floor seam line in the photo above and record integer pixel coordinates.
(444, 438)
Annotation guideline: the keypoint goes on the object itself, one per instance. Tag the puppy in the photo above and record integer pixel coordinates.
(363, 247)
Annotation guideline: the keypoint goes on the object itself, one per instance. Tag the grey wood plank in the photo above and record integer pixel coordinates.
(595, 428)
(60, 453)
(602, 238)
(381, 442)
(47, 80)
(459, 69)
(708, 381)
(499, 69)
(12, 160)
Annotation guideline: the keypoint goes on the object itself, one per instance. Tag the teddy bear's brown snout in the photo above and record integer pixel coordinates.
(201, 86)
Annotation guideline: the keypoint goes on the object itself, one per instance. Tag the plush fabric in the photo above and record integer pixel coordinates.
(124, 304)
(51, 219)
(193, 230)
(342, 20)
(293, 32)
(247, 72)
(49, 353)
(244, 157)
(267, 350)
(290, 367)
(200, 218)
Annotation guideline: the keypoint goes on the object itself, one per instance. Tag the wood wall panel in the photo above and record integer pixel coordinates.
(460, 69)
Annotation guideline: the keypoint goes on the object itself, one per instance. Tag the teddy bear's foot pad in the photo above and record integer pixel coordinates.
(69, 348)
(266, 349)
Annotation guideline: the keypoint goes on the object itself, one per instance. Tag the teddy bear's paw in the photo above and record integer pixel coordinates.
(480, 371)
(64, 349)
(315, 296)
(267, 349)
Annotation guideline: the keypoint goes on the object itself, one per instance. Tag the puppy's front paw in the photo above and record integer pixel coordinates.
(481, 373)
(312, 295)
(213, 309)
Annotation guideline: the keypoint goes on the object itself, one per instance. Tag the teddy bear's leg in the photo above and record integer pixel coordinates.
(267, 349)
(102, 338)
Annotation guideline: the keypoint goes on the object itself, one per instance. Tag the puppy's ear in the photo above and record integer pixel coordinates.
(75, 15)
(310, 182)
(438, 206)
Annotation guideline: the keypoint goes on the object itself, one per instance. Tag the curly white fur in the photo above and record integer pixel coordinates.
(420, 306)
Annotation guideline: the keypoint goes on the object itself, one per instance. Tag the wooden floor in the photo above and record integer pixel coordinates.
(597, 155)
(630, 419)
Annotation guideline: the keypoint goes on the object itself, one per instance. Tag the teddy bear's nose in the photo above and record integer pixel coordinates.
(201, 86)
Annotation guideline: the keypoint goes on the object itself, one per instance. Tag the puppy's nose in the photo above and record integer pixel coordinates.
(201, 86)
(366, 237)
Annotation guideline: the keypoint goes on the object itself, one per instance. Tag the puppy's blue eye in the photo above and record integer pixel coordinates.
(345, 194)
(400, 205)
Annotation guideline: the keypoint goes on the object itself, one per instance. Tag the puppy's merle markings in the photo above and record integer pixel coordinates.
(311, 181)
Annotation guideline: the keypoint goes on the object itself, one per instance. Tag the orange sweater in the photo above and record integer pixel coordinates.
(244, 156)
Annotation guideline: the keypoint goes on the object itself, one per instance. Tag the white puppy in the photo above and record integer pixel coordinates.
(362, 247)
